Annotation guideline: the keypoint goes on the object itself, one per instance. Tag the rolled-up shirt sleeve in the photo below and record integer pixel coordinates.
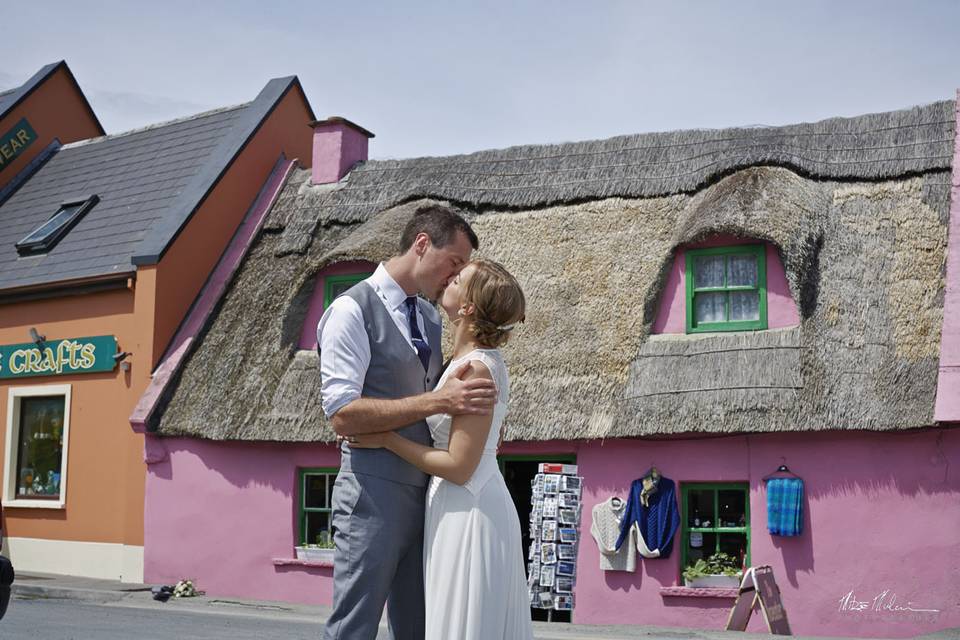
(344, 354)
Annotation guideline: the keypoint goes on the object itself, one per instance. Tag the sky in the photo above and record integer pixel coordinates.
(447, 77)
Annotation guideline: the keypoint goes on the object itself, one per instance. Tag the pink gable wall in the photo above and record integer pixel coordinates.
(671, 312)
(948, 383)
(308, 336)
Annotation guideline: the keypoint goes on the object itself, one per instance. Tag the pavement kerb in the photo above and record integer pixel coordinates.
(115, 593)
(65, 593)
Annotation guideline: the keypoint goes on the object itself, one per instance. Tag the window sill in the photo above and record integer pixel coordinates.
(294, 562)
(34, 504)
(698, 592)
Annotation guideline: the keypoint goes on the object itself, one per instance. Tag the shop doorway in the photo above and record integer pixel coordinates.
(518, 472)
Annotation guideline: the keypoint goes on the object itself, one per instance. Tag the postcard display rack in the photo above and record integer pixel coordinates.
(554, 536)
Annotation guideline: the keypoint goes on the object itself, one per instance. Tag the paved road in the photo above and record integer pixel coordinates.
(142, 619)
(139, 618)
(69, 620)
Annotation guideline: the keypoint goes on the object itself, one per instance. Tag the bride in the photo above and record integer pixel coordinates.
(473, 560)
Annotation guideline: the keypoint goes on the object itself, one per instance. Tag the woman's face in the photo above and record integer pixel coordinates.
(450, 301)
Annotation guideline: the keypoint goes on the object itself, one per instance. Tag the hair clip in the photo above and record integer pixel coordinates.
(507, 327)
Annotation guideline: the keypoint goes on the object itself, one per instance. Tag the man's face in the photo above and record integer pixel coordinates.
(437, 267)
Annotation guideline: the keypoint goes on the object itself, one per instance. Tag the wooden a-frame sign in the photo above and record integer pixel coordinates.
(758, 586)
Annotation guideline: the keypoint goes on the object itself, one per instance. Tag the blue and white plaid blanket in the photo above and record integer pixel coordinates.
(785, 506)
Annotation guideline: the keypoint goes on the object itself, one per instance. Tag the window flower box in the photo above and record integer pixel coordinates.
(714, 582)
(314, 554)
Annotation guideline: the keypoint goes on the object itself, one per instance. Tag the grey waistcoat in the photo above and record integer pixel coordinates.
(395, 372)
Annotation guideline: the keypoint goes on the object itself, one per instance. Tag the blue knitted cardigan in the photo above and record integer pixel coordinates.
(659, 522)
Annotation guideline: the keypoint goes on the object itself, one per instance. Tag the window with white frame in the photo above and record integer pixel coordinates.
(38, 423)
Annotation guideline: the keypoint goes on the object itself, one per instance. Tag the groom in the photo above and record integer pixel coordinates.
(379, 357)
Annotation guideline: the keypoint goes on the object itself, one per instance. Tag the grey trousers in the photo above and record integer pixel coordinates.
(378, 534)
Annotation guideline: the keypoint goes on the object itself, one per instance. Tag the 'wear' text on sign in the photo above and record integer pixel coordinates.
(15, 141)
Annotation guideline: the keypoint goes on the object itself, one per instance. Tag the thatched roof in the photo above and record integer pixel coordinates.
(857, 208)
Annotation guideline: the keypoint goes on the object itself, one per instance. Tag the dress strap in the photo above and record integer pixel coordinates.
(493, 364)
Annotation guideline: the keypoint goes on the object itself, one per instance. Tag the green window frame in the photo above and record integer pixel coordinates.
(758, 252)
(304, 511)
(334, 285)
(718, 531)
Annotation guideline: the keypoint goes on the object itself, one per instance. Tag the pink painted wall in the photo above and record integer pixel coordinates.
(948, 383)
(882, 513)
(220, 512)
(671, 312)
(308, 336)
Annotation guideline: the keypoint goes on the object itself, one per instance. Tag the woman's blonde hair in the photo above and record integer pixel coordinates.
(499, 302)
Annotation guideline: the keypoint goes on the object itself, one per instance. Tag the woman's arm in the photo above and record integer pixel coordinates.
(468, 435)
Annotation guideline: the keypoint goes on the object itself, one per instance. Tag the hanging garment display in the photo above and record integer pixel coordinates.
(785, 506)
(605, 529)
(652, 512)
(554, 536)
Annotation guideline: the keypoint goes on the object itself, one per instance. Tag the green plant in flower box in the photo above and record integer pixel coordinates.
(324, 541)
(719, 564)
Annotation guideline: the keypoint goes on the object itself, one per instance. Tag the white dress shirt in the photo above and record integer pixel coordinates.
(345, 346)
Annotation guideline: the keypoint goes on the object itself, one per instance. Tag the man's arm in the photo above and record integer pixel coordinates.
(468, 435)
(344, 358)
(458, 396)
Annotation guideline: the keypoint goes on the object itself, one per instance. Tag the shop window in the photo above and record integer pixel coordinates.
(726, 289)
(716, 519)
(330, 283)
(38, 426)
(47, 235)
(316, 492)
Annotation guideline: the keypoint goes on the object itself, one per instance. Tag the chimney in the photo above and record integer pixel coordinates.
(338, 144)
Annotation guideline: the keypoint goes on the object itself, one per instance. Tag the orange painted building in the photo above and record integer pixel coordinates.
(49, 108)
(105, 242)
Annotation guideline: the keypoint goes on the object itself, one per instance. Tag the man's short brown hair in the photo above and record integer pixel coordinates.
(439, 222)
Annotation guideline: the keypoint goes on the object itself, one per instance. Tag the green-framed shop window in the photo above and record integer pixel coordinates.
(333, 286)
(314, 501)
(715, 518)
(726, 289)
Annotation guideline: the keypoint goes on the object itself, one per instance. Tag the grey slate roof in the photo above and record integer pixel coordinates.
(12, 97)
(150, 181)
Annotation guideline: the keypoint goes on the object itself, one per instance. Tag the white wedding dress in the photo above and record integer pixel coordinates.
(475, 587)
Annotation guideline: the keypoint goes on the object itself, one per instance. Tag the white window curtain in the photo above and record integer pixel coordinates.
(709, 271)
(744, 305)
(726, 271)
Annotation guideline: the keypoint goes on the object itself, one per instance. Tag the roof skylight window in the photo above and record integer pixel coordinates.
(43, 238)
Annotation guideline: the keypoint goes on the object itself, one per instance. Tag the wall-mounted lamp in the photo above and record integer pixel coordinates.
(120, 357)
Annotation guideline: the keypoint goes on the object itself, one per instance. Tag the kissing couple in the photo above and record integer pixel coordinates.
(422, 520)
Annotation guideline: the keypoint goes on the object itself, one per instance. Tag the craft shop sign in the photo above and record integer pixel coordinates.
(15, 141)
(58, 357)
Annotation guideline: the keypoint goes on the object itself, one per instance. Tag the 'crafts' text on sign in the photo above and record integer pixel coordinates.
(15, 141)
(58, 357)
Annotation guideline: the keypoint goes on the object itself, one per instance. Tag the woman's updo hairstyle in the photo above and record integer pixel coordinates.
(498, 301)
